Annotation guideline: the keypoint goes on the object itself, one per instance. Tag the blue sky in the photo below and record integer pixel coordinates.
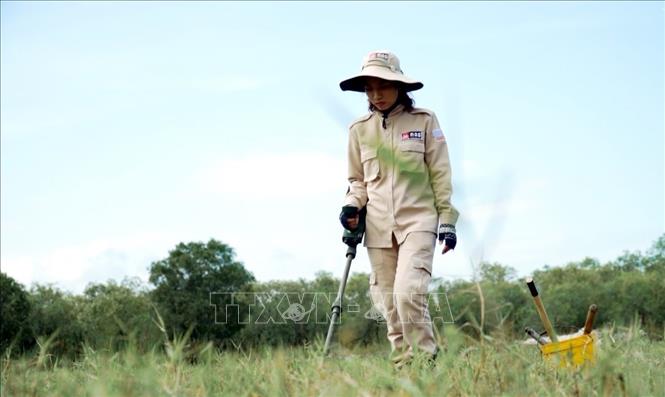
(129, 127)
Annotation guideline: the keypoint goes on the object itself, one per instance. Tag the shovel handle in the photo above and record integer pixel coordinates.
(541, 310)
(532, 287)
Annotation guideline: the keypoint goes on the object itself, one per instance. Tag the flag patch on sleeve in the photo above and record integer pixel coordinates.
(438, 135)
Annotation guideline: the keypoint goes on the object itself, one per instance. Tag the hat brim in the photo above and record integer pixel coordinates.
(357, 82)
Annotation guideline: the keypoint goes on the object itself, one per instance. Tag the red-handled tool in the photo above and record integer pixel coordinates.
(590, 316)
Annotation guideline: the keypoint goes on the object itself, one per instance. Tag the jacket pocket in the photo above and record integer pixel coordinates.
(424, 267)
(412, 156)
(415, 146)
(370, 165)
(423, 276)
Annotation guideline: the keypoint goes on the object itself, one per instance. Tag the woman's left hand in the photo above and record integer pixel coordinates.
(447, 235)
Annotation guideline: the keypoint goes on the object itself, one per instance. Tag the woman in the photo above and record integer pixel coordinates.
(399, 169)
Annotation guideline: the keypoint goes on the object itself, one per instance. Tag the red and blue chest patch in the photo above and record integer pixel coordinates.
(412, 135)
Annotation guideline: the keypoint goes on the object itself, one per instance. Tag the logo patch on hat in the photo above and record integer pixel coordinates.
(438, 135)
(415, 135)
(381, 55)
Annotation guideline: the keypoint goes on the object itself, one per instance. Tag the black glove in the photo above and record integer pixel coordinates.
(448, 234)
(348, 211)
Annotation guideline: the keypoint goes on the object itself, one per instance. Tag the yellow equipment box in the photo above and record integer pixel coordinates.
(574, 351)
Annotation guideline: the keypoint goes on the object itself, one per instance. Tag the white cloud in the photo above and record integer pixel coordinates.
(72, 267)
(471, 169)
(264, 176)
(490, 214)
(288, 175)
(20, 268)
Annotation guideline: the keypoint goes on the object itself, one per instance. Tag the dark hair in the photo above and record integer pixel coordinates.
(403, 98)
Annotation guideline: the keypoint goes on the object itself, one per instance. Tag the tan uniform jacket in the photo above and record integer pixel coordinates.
(401, 172)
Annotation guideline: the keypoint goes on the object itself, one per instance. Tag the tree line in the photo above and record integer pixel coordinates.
(201, 290)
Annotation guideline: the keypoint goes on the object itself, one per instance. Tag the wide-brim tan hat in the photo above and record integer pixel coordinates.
(383, 65)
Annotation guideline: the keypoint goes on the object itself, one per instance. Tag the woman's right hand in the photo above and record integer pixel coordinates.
(353, 222)
(349, 217)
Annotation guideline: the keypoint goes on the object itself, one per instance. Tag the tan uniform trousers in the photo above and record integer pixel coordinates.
(398, 288)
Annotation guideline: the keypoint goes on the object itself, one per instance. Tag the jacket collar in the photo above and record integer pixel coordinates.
(396, 110)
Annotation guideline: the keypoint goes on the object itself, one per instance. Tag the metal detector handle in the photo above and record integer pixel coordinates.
(354, 237)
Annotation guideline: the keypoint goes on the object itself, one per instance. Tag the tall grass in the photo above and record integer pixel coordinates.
(628, 364)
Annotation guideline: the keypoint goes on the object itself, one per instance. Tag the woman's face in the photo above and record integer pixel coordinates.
(380, 93)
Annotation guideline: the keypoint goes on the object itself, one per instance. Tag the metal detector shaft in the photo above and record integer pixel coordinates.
(337, 305)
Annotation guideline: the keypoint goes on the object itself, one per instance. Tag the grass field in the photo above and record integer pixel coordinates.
(628, 364)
